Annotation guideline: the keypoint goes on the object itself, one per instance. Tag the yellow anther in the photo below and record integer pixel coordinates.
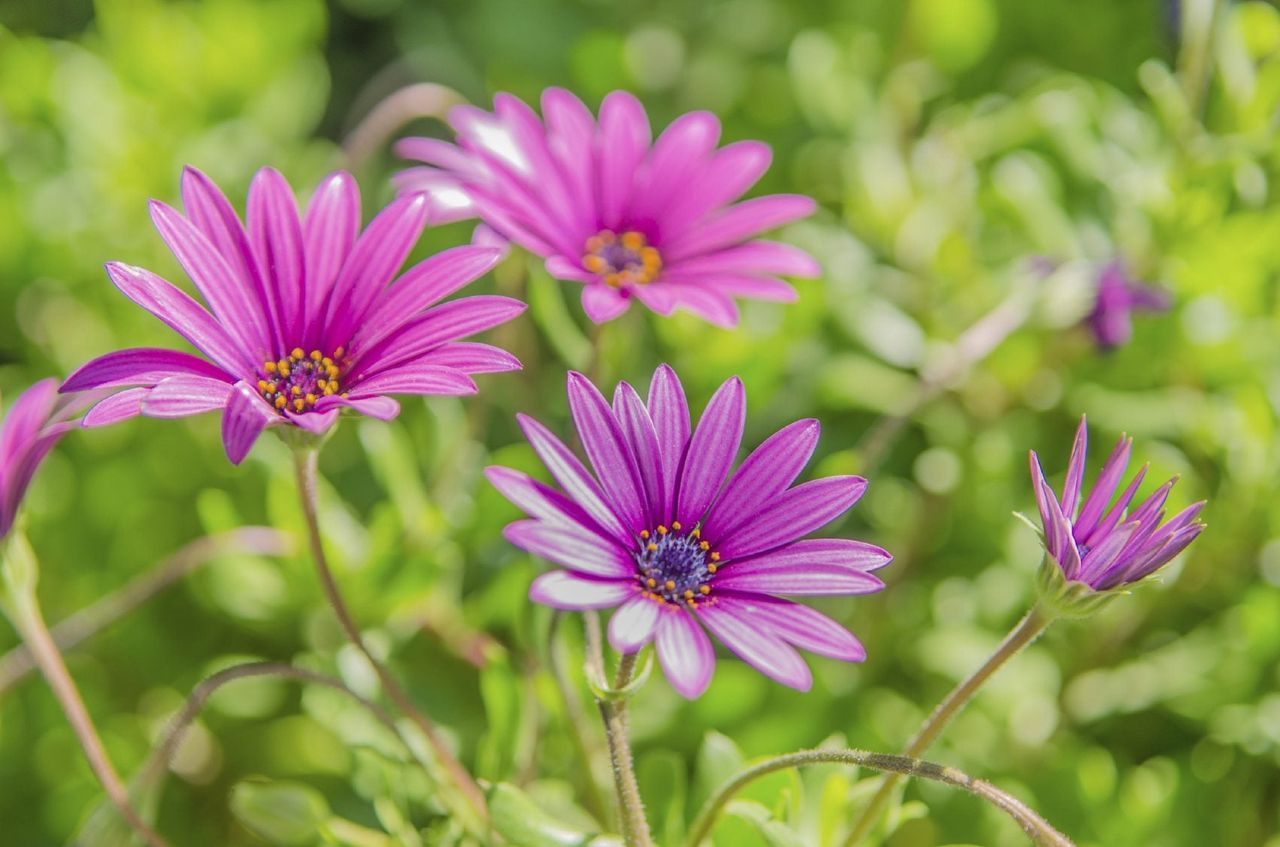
(296, 353)
(284, 371)
(337, 354)
(329, 390)
(705, 545)
(269, 367)
(651, 582)
(299, 404)
(652, 547)
(704, 590)
(321, 384)
(696, 532)
(311, 399)
(263, 385)
(693, 604)
(297, 390)
(688, 595)
(712, 568)
(613, 280)
(715, 557)
(594, 244)
(633, 241)
(662, 530)
(670, 585)
(316, 355)
(333, 372)
(280, 401)
(675, 525)
(327, 362)
(644, 533)
(607, 236)
(595, 264)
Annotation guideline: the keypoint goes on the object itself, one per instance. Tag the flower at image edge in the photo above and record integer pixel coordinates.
(607, 206)
(664, 532)
(30, 429)
(305, 316)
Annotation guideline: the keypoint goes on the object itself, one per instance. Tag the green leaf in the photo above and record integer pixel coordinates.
(281, 812)
(523, 823)
(719, 759)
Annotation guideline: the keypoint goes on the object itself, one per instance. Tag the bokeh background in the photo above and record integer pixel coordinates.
(949, 143)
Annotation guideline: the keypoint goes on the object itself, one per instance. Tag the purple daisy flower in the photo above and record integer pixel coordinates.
(1107, 548)
(608, 207)
(304, 316)
(33, 425)
(1118, 297)
(664, 532)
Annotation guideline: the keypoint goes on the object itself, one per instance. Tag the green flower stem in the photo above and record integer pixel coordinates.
(1036, 827)
(1026, 631)
(304, 463)
(635, 828)
(24, 612)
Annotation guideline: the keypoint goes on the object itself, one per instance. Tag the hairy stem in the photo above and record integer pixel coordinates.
(1026, 631)
(1036, 827)
(92, 619)
(305, 471)
(30, 624)
(635, 828)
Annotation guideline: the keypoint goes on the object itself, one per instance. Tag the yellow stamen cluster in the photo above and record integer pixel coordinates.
(622, 260)
(298, 381)
(667, 547)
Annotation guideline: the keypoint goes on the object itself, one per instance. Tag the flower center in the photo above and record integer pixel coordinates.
(674, 566)
(622, 260)
(298, 381)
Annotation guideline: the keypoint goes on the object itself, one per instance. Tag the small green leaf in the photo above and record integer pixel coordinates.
(523, 823)
(281, 812)
(719, 759)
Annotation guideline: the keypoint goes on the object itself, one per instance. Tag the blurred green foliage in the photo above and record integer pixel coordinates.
(948, 141)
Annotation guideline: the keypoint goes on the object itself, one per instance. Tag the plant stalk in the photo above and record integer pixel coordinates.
(635, 828)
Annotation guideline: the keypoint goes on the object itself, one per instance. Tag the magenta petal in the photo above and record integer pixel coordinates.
(602, 303)
(182, 314)
(637, 427)
(318, 423)
(570, 548)
(675, 157)
(472, 357)
(433, 328)
(562, 590)
(634, 624)
(756, 646)
(794, 513)
(1075, 471)
(24, 420)
(712, 306)
(228, 292)
(684, 652)
(139, 366)
(381, 408)
(730, 172)
(807, 580)
(607, 449)
(562, 268)
(1103, 488)
(571, 142)
(415, 378)
(538, 500)
(738, 223)
(843, 553)
(1055, 530)
(118, 407)
(712, 450)
(670, 414)
(624, 140)
(243, 420)
(1117, 511)
(329, 231)
(769, 470)
(275, 234)
(801, 626)
(182, 396)
(573, 477)
(753, 257)
(766, 288)
(373, 261)
(422, 285)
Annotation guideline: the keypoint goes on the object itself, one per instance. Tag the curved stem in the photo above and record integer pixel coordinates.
(635, 829)
(421, 100)
(1036, 827)
(92, 619)
(30, 624)
(304, 462)
(1026, 631)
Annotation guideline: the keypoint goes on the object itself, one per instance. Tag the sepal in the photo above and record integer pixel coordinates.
(1064, 598)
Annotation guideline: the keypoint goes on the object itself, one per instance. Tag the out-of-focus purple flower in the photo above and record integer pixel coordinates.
(608, 207)
(1118, 296)
(35, 422)
(1107, 548)
(667, 534)
(305, 315)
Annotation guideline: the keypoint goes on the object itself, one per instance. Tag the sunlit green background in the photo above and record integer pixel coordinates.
(947, 141)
